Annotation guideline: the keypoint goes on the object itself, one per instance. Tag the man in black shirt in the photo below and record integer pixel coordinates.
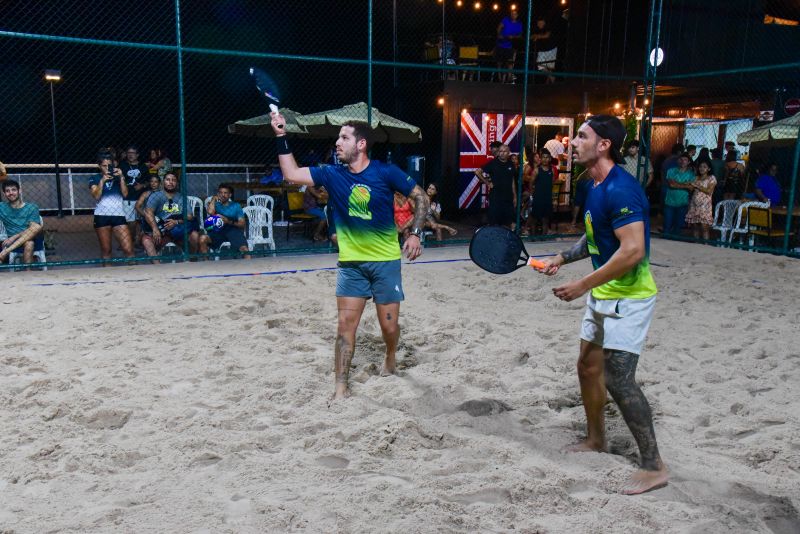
(499, 176)
(136, 177)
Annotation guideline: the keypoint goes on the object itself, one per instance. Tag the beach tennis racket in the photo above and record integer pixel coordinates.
(500, 251)
(266, 86)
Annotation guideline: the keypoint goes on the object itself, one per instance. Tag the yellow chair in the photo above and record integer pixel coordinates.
(296, 214)
(759, 221)
(468, 56)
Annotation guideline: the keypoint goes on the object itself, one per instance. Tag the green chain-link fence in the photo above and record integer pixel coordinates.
(165, 84)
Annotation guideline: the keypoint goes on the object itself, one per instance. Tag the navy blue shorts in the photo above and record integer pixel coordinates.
(380, 280)
(38, 244)
(229, 233)
(101, 221)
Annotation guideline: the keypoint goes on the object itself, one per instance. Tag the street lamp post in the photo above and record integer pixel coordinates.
(52, 76)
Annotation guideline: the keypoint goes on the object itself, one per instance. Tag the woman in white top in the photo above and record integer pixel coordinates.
(109, 190)
(435, 214)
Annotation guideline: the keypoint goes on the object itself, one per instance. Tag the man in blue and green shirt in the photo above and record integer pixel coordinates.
(362, 196)
(622, 296)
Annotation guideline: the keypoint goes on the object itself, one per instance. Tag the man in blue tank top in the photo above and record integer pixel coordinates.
(622, 295)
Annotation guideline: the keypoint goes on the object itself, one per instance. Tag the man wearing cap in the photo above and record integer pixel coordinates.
(622, 296)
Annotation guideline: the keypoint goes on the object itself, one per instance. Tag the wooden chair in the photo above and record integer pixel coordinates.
(760, 223)
(296, 214)
(468, 56)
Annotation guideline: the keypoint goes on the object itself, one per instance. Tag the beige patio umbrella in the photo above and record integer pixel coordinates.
(385, 127)
(783, 129)
(260, 126)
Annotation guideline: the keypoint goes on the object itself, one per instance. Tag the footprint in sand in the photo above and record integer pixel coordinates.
(333, 462)
(478, 408)
(489, 495)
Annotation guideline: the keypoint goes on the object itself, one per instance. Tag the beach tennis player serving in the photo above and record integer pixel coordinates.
(362, 194)
(622, 296)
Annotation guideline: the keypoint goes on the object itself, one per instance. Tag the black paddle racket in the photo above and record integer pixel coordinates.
(266, 86)
(500, 251)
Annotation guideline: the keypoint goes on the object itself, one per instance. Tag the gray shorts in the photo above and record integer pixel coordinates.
(619, 324)
(380, 280)
(130, 210)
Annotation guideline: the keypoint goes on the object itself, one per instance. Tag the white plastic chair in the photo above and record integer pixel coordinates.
(258, 219)
(265, 201)
(742, 226)
(724, 214)
(195, 205)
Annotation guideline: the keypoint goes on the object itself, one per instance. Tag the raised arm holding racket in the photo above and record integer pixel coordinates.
(362, 195)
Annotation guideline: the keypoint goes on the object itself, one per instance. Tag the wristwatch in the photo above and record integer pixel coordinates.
(417, 232)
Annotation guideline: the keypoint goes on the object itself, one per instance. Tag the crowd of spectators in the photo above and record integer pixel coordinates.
(693, 183)
(547, 36)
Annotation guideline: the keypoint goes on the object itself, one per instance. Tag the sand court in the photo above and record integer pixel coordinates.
(193, 398)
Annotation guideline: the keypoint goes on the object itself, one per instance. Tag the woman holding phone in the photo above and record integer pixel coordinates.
(109, 191)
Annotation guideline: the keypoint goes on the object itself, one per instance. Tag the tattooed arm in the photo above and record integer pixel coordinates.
(577, 251)
(413, 247)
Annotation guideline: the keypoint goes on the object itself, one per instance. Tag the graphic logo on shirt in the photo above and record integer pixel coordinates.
(590, 243)
(109, 185)
(623, 212)
(358, 203)
(171, 207)
(133, 174)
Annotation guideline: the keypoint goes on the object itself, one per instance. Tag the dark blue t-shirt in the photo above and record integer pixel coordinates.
(616, 201)
(363, 208)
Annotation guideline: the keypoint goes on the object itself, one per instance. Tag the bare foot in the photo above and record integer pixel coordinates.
(586, 446)
(342, 392)
(452, 231)
(388, 369)
(643, 480)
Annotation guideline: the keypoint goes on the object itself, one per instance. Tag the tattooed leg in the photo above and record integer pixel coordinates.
(388, 317)
(620, 374)
(350, 310)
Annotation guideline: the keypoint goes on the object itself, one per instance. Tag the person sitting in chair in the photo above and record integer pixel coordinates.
(232, 215)
(164, 214)
(434, 216)
(22, 222)
(314, 201)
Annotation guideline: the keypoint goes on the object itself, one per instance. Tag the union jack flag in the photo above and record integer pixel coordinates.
(478, 131)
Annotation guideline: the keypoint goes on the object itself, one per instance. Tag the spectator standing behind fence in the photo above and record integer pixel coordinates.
(158, 163)
(109, 190)
(733, 186)
(502, 185)
(767, 186)
(700, 215)
(136, 177)
(679, 184)
(167, 222)
(730, 148)
(582, 185)
(555, 147)
(233, 216)
(509, 33)
(718, 171)
(22, 223)
(546, 45)
(632, 165)
(541, 203)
